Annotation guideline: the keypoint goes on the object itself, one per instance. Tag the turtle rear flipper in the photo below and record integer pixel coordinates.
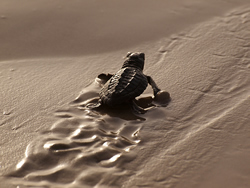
(137, 109)
(94, 105)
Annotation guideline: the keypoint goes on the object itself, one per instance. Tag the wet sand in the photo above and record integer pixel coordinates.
(51, 54)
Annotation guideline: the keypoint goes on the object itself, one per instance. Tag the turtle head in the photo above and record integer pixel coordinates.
(134, 59)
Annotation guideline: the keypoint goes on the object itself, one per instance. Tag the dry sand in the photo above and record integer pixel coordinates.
(51, 52)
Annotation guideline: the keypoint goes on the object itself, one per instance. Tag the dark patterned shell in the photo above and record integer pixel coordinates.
(123, 87)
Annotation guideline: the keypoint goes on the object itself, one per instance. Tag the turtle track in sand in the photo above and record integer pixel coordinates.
(83, 148)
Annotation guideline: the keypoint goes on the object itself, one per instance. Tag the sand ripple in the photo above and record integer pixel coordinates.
(83, 148)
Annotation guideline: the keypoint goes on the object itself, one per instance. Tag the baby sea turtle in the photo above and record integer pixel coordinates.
(128, 83)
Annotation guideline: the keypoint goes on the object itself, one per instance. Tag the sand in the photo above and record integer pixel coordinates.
(51, 53)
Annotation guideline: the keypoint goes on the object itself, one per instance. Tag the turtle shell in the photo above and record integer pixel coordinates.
(123, 86)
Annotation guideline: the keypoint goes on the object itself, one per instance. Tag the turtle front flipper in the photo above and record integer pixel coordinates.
(103, 78)
(153, 85)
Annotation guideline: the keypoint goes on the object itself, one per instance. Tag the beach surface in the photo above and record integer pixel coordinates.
(50, 56)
